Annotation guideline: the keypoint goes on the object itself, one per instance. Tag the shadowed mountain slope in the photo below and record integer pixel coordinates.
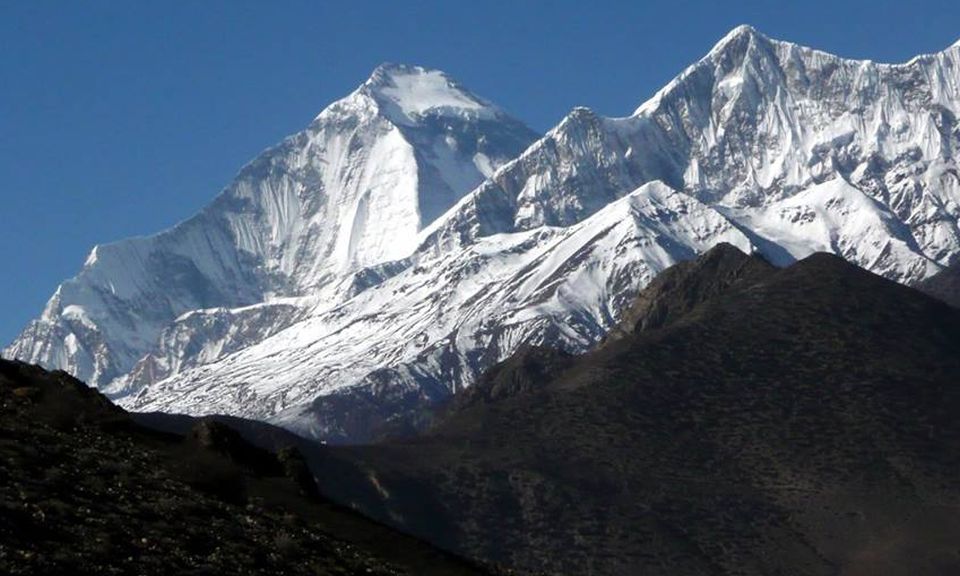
(945, 285)
(85, 490)
(798, 421)
(684, 286)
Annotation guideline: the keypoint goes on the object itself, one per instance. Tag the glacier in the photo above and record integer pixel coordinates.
(414, 234)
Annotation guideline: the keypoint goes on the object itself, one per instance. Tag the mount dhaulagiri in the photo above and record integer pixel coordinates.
(415, 235)
(743, 419)
(302, 227)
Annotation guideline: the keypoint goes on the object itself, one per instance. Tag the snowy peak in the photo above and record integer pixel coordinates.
(350, 191)
(767, 63)
(735, 39)
(406, 93)
(754, 122)
(414, 233)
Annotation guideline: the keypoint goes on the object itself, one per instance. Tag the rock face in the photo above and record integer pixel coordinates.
(349, 277)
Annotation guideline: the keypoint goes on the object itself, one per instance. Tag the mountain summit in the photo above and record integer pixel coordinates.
(410, 238)
(408, 93)
(350, 191)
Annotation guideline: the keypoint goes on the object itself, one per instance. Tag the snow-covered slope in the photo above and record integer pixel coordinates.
(444, 319)
(345, 312)
(350, 191)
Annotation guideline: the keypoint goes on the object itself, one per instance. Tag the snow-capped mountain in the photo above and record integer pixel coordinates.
(334, 297)
(445, 318)
(748, 129)
(350, 191)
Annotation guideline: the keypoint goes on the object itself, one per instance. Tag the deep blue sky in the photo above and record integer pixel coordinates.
(122, 118)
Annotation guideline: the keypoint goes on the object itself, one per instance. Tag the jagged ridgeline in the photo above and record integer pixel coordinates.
(414, 234)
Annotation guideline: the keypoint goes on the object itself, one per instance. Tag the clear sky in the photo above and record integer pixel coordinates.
(123, 118)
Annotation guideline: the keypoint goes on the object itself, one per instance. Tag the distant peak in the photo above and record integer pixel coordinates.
(406, 93)
(384, 74)
(578, 116)
(582, 111)
(737, 39)
(742, 30)
(742, 33)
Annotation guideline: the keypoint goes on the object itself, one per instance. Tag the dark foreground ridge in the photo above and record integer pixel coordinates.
(745, 420)
(85, 490)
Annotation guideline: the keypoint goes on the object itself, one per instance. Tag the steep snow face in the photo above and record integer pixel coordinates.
(758, 120)
(349, 192)
(774, 119)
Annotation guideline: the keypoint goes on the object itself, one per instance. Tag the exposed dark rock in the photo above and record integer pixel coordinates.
(522, 373)
(681, 288)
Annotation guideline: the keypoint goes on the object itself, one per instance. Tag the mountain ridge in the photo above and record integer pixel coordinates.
(775, 148)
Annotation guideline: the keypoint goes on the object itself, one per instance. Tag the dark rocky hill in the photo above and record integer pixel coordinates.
(747, 420)
(681, 288)
(86, 490)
